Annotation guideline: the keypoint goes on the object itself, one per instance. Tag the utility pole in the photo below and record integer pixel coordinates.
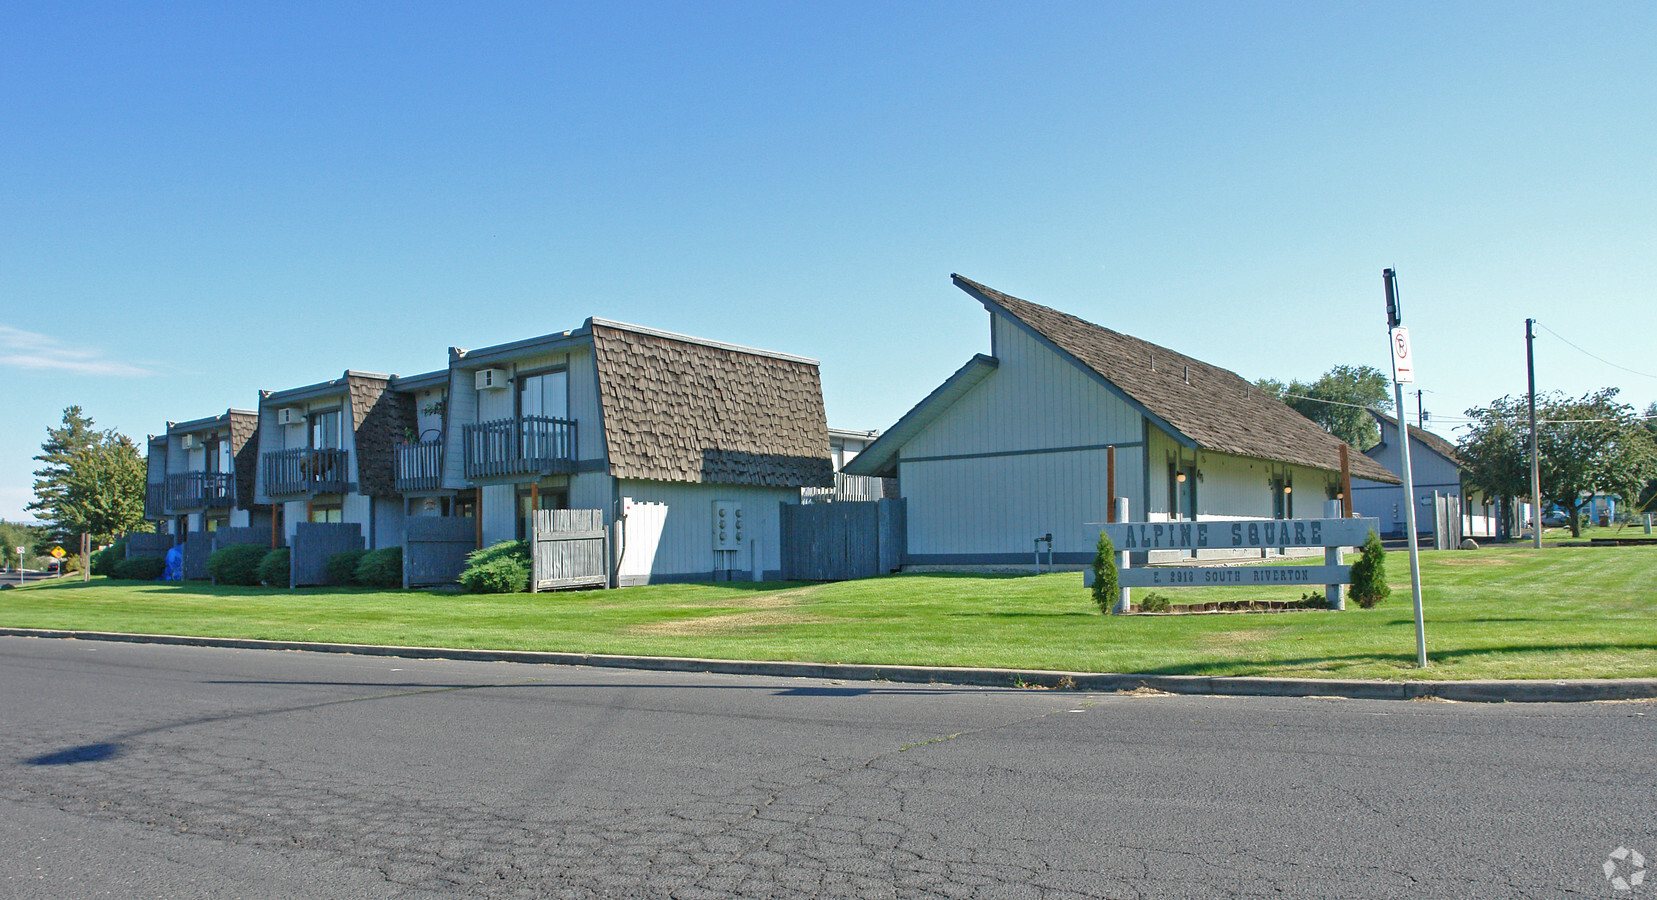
(1420, 413)
(1535, 457)
(1403, 370)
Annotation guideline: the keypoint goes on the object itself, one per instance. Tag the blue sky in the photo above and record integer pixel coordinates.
(199, 201)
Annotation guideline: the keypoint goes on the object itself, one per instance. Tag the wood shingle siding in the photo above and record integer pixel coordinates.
(687, 411)
(382, 419)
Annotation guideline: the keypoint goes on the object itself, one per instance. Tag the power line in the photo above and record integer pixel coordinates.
(1600, 358)
(1463, 419)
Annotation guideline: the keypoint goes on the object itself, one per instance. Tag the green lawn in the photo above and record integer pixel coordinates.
(1496, 613)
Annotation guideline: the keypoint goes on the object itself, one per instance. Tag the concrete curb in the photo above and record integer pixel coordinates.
(1574, 690)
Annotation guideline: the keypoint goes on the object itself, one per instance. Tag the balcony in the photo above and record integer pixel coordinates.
(200, 490)
(305, 471)
(420, 466)
(522, 446)
(155, 500)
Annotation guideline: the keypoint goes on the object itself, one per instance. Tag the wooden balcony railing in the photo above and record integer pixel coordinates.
(155, 500)
(847, 488)
(530, 444)
(420, 466)
(306, 471)
(200, 490)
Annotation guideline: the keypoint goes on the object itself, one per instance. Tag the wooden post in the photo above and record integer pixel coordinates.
(86, 553)
(1110, 484)
(477, 517)
(1335, 593)
(1346, 484)
(274, 525)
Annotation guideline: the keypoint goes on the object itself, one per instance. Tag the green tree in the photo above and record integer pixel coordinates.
(51, 479)
(14, 535)
(1648, 496)
(1585, 445)
(90, 482)
(1106, 591)
(1350, 391)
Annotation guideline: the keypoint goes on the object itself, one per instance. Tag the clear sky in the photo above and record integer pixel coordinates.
(201, 200)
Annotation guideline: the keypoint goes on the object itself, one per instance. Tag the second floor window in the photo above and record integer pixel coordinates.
(325, 430)
(546, 394)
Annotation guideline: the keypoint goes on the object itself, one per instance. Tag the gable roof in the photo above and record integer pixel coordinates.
(676, 408)
(1431, 441)
(1198, 404)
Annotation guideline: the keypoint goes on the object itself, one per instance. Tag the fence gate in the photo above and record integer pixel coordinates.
(569, 548)
(313, 543)
(230, 537)
(842, 541)
(435, 548)
(198, 545)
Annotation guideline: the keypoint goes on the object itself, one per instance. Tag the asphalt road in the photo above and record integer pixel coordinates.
(154, 771)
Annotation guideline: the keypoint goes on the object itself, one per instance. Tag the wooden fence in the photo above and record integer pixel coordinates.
(148, 545)
(198, 545)
(435, 549)
(569, 548)
(313, 543)
(230, 537)
(1447, 521)
(842, 541)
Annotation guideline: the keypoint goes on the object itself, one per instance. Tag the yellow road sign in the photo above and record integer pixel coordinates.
(58, 552)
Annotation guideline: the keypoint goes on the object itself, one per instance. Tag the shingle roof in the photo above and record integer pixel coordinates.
(686, 410)
(1433, 442)
(243, 427)
(1210, 407)
(381, 419)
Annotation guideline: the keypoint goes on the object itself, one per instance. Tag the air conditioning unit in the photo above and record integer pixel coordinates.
(490, 379)
(187, 441)
(289, 415)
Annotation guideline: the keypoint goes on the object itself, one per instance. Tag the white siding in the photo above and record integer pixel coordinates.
(668, 534)
(584, 405)
(293, 512)
(999, 504)
(1034, 399)
(428, 425)
(593, 490)
(499, 512)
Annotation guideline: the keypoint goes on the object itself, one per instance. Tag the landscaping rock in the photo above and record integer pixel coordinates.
(1469, 544)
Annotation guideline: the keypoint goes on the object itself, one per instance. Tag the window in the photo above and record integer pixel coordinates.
(1182, 492)
(334, 514)
(325, 430)
(545, 394)
(1283, 503)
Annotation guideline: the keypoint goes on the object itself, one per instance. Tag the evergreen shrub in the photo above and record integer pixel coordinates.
(501, 568)
(380, 568)
(341, 568)
(237, 564)
(1369, 574)
(276, 568)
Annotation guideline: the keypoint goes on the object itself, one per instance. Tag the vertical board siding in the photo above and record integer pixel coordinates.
(435, 549)
(569, 548)
(462, 410)
(1034, 399)
(313, 543)
(1000, 504)
(500, 512)
(584, 404)
(388, 521)
(197, 547)
(148, 545)
(669, 532)
(230, 537)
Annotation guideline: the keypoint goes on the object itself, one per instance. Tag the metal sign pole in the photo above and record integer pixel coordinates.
(1403, 366)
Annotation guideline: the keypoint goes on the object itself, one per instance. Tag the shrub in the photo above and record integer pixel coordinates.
(1105, 590)
(501, 568)
(341, 568)
(105, 560)
(140, 568)
(1369, 574)
(1314, 600)
(276, 569)
(381, 568)
(236, 564)
(1153, 602)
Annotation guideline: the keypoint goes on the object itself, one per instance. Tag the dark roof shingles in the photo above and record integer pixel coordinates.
(1216, 408)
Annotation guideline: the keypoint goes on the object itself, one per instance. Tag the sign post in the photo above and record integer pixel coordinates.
(58, 554)
(1403, 372)
(20, 565)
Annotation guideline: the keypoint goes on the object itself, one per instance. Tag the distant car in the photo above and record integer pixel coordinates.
(1555, 520)
(52, 567)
